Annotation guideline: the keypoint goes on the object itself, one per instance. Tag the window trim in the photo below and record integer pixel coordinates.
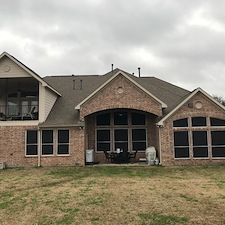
(146, 138)
(189, 147)
(208, 147)
(96, 141)
(46, 155)
(30, 144)
(58, 144)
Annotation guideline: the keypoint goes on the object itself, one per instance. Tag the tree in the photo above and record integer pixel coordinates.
(220, 99)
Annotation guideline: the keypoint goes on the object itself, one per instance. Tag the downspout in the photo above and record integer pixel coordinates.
(39, 147)
(160, 150)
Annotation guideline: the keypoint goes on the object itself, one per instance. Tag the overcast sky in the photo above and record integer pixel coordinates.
(180, 41)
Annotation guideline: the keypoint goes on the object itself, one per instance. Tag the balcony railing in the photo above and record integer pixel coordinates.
(18, 112)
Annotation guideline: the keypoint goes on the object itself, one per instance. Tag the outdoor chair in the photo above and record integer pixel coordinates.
(109, 157)
(133, 155)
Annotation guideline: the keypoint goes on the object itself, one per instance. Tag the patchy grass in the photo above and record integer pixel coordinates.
(113, 195)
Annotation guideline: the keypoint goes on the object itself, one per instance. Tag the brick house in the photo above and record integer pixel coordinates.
(55, 119)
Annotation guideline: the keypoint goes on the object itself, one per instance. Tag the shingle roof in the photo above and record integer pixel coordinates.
(63, 112)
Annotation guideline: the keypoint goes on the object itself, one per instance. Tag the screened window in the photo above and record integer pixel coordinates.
(47, 142)
(103, 140)
(120, 118)
(198, 121)
(121, 139)
(31, 142)
(137, 119)
(218, 143)
(138, 139)
(103, 120)
(217, 122)
(200, 144)
(181, 144)
(63, 142)
(180, 123)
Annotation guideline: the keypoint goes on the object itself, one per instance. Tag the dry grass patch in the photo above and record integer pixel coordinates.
(113, 195)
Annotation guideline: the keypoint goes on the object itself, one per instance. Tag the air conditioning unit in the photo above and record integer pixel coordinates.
(2, 165)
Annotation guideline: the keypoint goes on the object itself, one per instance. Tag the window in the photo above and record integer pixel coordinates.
(121, 139)
(47, 142)
(138, 139)
(103, 140)
(137, 119)
(120, 118)
(181, 144)
(180, 123)
(103, 119)
(200, 144)
(31, 142)
(217, 122)
(198, 121)
(218, 143)
(63, 142)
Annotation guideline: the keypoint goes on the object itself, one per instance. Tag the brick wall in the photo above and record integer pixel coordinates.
(12, 148)
(120, 93)
(209, 109)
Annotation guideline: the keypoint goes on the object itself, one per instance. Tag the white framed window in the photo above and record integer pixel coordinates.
(63, 142)
(31, 143)
(47, 142)
(181, 144)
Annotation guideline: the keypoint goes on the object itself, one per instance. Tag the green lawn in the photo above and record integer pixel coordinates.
(113, 195)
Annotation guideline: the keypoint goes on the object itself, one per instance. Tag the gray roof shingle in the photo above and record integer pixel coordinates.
(63, 112)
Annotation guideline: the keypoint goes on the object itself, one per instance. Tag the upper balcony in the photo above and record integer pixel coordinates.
(19, 99)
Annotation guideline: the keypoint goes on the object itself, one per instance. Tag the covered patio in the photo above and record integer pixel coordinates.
(120, 135)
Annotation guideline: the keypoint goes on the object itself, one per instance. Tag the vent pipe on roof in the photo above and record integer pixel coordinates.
(81, 85)
(139, 71)
(74, 85)
(112, 67)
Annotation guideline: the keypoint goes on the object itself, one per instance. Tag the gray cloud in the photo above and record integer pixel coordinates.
(178, 41)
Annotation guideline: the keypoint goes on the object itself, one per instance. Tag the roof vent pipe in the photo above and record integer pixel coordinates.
(112, 67)
(139, 71)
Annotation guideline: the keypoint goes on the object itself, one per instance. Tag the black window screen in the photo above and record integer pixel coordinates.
(181, 144)
(217, 122)
(218, 143)
(120, 118)
(31, 142)
(103, 120)
(218, 137)
(138, 139)
(103, 140)
(200, 144)
(137, 119)
(198, 121)
(63, 142)
(47, 142)
(181, 138)
(180, 123)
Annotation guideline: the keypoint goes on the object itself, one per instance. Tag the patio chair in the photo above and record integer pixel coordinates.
(109, 157)
(2, 116)
(133, 155)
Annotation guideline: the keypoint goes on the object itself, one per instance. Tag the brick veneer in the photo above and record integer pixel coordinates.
(110, 98)
(12, 147)
(209, 109)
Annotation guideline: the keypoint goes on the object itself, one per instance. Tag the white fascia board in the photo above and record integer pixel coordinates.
(110, 79)
(160, 123)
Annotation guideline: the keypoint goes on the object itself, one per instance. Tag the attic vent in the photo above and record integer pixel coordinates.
(190, 105)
